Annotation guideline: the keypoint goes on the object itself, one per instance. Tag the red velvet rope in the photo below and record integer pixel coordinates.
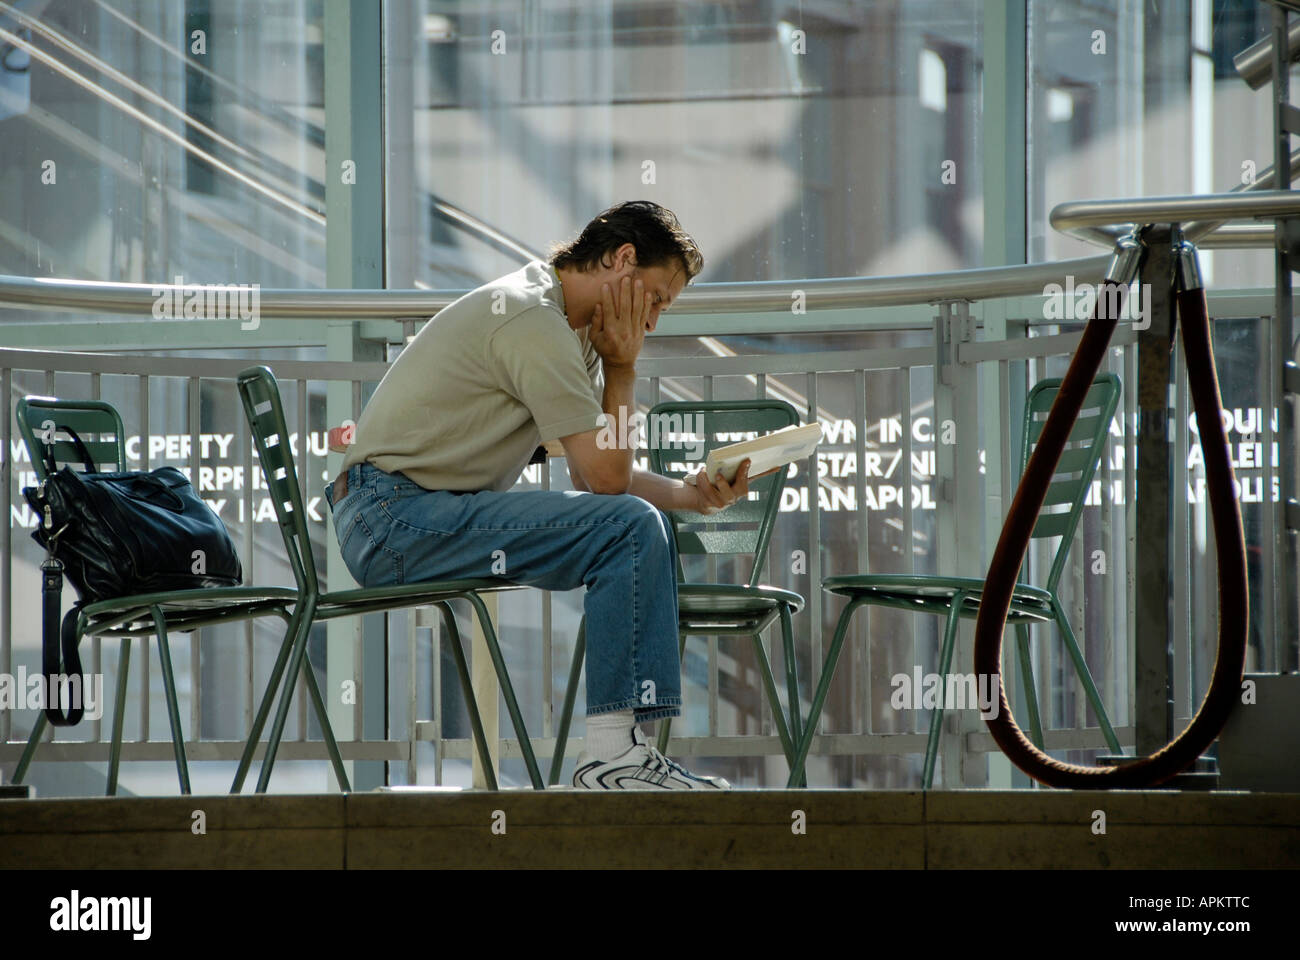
(1010, 553)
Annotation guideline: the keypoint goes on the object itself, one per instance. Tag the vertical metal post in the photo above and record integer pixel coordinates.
(1283, 360)
(1271, 401)
(6, 549)
(354, 255)
(97, 645)
(412, 690)
(814, 593)
(959, 518)
(945, 473)
(765, 724)
(193, 397)
(972, 769)
(250, 560)
(1130, 530)
(1153, 719)
(305, 471)
(1005, 166)
(909, 519)
(860, 662)
(1108, 630)
(712, 564)
(142, 670)
(435, 654)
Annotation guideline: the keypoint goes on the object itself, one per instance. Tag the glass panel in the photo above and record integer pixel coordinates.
(842, 141)
(142, 142)
(1131, 99)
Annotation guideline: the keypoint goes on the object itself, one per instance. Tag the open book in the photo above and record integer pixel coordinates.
(765, 453)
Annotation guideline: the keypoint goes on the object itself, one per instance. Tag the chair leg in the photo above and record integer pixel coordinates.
(507, 690)
(327, 729)
(666, 724)
(467, 688)
(173, 706)
(945, 662)
(302, 628)
(788, 742)
(1027, 682)
(791, 679)
(819, 697)
(268, 697)
(33, 741)
(570, 697)
(1085, 676)
(119, 702)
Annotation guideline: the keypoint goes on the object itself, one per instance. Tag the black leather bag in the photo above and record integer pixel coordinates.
(115, 535)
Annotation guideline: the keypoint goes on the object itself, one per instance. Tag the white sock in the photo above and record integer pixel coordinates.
(609, 734)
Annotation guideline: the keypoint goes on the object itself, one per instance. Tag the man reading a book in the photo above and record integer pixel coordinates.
(540, 356)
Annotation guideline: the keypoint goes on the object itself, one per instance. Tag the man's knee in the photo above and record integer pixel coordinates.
(642, 514)
(637, 528)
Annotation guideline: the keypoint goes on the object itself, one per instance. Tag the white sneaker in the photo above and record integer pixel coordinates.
(641, 767)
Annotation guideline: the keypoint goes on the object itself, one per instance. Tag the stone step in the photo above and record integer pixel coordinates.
(741, 829)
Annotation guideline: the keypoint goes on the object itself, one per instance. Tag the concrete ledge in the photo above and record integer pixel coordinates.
(158, 832)
(751, 829)
(741, 829)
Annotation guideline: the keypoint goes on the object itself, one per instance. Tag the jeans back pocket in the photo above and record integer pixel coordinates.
(361, 542)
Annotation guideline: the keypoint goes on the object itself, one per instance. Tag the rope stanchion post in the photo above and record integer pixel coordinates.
(1182, 751)
(1153, 574)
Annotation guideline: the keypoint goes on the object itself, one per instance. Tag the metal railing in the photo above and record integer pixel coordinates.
(811, 374)
(323, 306)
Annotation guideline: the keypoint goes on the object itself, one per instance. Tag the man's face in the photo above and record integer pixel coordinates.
(663, 283)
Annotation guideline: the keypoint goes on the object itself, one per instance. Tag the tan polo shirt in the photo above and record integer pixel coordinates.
(488, 379)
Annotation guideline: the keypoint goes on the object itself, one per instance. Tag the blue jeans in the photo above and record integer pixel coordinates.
(392, 531)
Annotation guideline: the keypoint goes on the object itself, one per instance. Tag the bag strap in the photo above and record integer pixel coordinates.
(158, 486)
(52, 467)
(56, 638)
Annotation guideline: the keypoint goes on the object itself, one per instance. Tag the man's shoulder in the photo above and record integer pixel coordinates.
(528, 292)
(522, 299)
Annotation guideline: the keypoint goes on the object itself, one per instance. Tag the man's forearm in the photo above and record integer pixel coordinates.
(575, 478)
(664, 492)
(619, 404)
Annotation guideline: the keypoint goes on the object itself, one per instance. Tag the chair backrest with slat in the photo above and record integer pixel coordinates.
(265, 416)
(680, 436)
(45, 424)
(1063, 504)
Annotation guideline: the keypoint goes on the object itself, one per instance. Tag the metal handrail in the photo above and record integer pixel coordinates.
(1201, 213)
(1097, 221)
(767, 295)
(1238, 236)
(1255, 63)
(1215, 233)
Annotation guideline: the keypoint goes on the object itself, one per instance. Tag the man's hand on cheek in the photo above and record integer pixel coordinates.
(618, 329)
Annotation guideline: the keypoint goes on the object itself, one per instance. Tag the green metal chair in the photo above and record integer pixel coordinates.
(744, 528)
(40, 421)
(265, 415)
(957, 597)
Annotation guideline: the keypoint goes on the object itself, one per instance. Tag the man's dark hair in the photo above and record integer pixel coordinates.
(654, 231)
